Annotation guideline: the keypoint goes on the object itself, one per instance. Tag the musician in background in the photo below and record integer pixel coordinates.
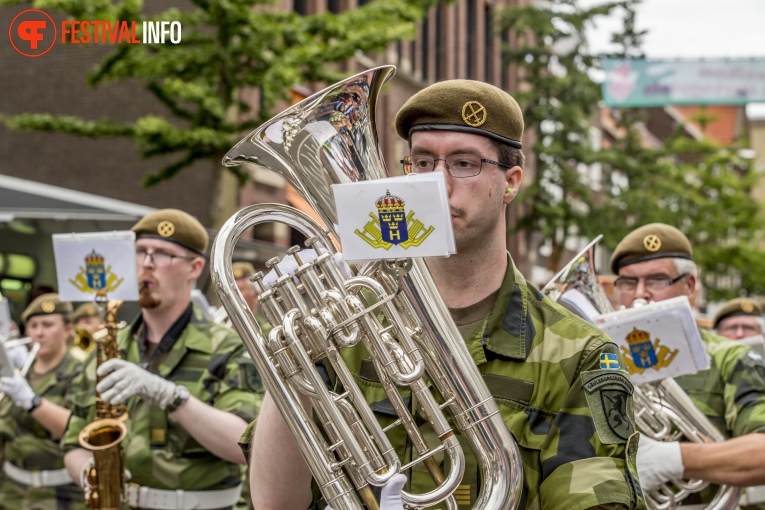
(738, 318)
(34, 413)
(655, 263)
(88, 317)
(189, 386)
(577, 451)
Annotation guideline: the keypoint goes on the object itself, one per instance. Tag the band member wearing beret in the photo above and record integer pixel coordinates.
(190, 389)
(34, 412)
(655, 263)
(738, 318)
(577, 446)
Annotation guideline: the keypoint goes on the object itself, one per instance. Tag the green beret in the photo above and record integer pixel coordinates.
(85, 310)
(652, 241)
(738, 306)
(47, 304)
(175, 226)
(243, 270)
(463, 105)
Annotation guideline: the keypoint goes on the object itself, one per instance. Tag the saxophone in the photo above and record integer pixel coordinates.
(104, 479)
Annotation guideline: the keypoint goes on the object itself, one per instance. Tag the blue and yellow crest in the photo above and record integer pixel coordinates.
(644, 354)
(95, 276)
(392, 225)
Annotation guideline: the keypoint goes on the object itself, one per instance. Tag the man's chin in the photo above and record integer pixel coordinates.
(148, 301)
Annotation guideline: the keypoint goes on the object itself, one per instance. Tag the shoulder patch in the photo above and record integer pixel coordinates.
(609, 397)
(609, 361)
(754, 355)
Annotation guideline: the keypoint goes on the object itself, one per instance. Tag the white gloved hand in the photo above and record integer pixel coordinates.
(19, 390)
(289, 265)
(658, 462)
(18, 355)
(390, 499)
(125, 379)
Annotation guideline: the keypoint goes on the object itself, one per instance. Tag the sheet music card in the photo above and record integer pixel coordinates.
(96, 264)
(658, 340)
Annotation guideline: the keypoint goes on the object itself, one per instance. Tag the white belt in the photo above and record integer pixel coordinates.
(51, 478)
(753, 495)
(146, 497)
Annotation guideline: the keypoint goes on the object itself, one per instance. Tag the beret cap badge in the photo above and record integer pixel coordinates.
(473, 113)
(166, 228)
(48, 306)
(747, 306)
(652, 242)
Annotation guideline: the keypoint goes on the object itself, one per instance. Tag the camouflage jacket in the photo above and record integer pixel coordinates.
(730, 393)
(563, 392)
(28, 445)
(212, 363)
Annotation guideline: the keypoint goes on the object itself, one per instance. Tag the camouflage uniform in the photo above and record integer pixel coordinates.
(211, 362)
(29, 446)
(731, 393)
(536, 358)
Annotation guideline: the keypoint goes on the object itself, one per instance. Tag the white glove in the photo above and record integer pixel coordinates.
(18, 355)
(658, 462)
(390, 499)
(289, 265)
(19, 390)
(125, 379)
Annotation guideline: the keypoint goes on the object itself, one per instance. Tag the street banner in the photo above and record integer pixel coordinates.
(658, 340)
(399, 217)
(98, 265)
(644, 83)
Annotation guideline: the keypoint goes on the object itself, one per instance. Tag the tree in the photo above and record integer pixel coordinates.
(559, 101)
(228, 47)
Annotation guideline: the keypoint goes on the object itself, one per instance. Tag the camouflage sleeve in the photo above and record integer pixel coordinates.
(81, 401)
(589, 455)
(744, 375)
(245, 441)
(241, 391)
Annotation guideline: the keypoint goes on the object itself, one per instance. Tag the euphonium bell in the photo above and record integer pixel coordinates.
(314, 145)
(663, 411)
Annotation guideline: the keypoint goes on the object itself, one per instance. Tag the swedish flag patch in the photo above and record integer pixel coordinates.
(754, 355)
(609, 361)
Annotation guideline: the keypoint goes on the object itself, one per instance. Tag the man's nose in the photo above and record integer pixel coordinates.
(641, 292)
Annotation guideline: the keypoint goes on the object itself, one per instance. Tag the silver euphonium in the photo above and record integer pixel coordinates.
(664, 411)
(330, 138)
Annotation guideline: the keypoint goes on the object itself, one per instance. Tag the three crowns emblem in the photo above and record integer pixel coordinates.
(393, 225)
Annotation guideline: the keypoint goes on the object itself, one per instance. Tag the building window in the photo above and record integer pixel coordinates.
(488, 45)
(300, 7)
(333, 6)
(470, 38)
(425, 49)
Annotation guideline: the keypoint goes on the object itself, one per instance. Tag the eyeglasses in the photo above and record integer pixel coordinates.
(458, 165)
(629, 285)
(158, 258)
(748, 329)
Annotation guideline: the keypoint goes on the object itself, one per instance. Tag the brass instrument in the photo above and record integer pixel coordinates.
(349, 452)
(105, 477)
(664, 411)
(83, 340)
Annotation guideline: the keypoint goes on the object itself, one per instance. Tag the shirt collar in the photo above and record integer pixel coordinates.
(509, 330)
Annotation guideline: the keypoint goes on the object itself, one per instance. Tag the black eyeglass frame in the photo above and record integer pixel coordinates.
(170, 257)
(671, 281)
(448, 169)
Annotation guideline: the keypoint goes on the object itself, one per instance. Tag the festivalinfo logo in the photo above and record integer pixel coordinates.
(33, 33)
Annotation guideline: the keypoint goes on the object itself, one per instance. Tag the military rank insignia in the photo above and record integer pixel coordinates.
(95, 276)
(644, 354)
(392, 225)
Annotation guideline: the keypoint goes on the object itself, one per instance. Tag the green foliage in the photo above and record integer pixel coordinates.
(695, 185)
(559, 101)
(229, 47)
